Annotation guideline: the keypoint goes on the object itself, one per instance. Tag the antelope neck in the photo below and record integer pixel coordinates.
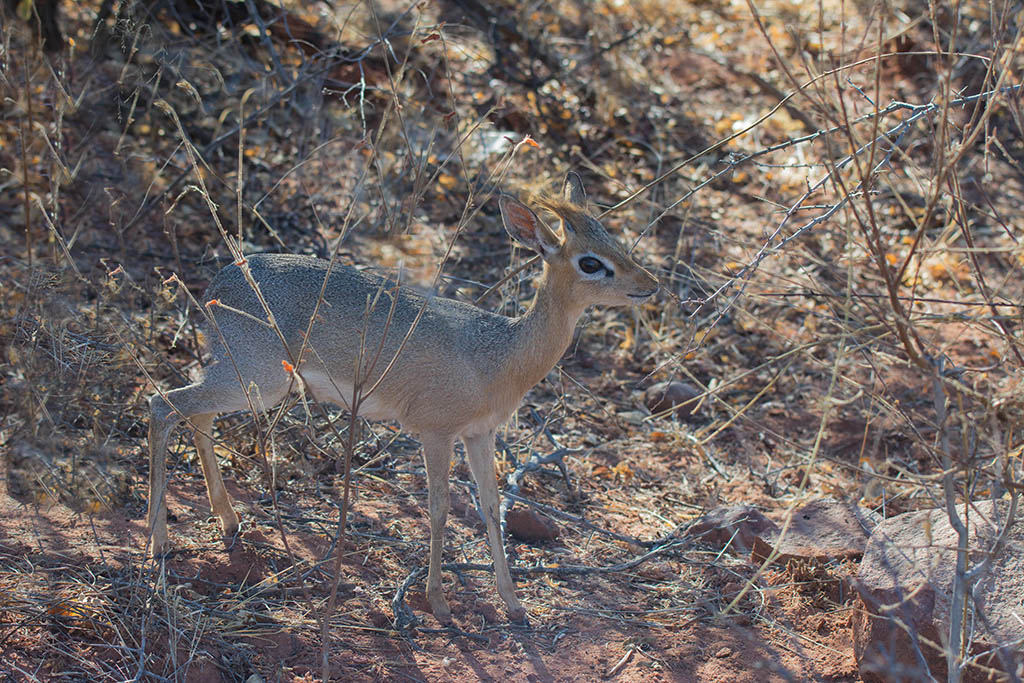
(544, 331)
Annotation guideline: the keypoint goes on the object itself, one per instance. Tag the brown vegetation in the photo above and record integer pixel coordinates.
(831, 194)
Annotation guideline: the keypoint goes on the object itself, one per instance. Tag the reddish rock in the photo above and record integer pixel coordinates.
(822, 531)
(905, 584)
(680, 396)
(737, 525)
(526, 525)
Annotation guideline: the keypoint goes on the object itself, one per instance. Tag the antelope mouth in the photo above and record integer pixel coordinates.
(644, 296)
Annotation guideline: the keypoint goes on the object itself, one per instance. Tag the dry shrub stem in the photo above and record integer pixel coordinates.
(889, 190)
(958, 472)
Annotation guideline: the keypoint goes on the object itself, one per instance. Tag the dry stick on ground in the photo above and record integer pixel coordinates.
(532, 464)
(404, 616)
(514, 496)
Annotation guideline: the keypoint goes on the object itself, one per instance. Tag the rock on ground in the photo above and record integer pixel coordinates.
(678, 397)
(735, 525)
(905, 584)
(526, 525)
(822, 530)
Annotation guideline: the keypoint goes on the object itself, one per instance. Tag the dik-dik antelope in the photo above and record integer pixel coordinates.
(458, 374)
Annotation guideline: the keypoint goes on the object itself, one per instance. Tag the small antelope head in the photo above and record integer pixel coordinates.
(583, 261)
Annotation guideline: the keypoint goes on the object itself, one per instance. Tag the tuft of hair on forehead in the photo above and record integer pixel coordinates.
(575, 216)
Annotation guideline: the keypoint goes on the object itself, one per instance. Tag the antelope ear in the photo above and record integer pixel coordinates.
(572, 190)
(523, 225)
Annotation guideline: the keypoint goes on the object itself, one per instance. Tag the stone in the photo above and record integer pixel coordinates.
(822, 531)
(633, 417)
(679, 397)
(526, 525)
(737, 525)
(905, 584)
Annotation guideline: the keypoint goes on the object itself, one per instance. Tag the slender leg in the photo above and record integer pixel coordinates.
(217, 392)
(161, 422)
(220, 501)
(480, 453)
(437, 454)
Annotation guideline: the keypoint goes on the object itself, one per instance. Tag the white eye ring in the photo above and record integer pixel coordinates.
(588, 259)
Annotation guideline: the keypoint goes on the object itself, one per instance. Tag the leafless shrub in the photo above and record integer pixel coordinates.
(838, 233)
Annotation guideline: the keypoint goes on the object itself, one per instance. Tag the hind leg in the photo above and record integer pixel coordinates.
(218, 392)
(162, 421)
(220, 501)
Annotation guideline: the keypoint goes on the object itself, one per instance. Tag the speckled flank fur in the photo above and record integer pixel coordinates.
(461, 372)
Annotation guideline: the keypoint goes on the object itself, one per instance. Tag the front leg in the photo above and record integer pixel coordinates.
(220, 501)
(437, 455)
(480, 453)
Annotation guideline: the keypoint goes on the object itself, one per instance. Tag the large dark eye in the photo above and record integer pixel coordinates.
(590, 265)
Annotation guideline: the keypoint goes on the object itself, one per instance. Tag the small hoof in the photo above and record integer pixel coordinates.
(158, 546)
(518, 617)
(161, 553)
(230, 526)
(442, 614)
(231, 539)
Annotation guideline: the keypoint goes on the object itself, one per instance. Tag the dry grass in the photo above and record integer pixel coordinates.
(831, 200)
